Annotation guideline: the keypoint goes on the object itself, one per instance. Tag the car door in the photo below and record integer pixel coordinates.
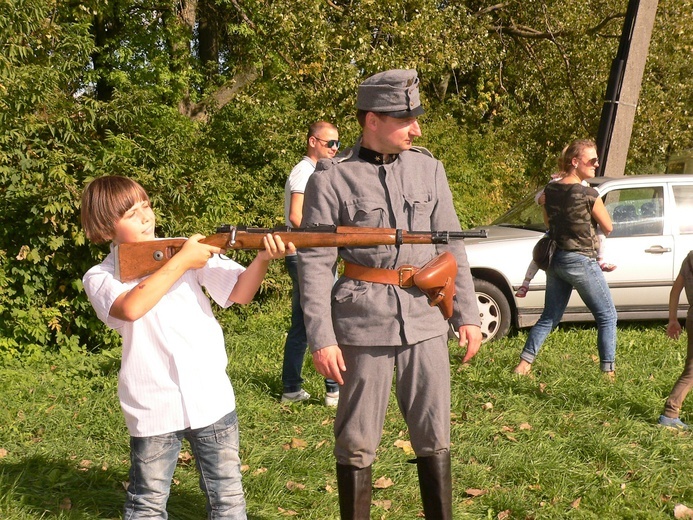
(642, 246)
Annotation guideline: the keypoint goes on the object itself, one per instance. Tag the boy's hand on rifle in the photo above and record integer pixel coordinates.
(275, 248)
(194, 254)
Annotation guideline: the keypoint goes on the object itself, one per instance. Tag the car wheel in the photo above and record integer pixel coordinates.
(494, 310)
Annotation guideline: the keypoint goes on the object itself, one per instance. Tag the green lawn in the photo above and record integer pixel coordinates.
(561, 443)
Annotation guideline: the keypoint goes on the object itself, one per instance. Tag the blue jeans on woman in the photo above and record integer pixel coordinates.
(153, 460)
(570, 270)
(296, 340)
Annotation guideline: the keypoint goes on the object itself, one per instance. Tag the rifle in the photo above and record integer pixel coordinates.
(138, 259)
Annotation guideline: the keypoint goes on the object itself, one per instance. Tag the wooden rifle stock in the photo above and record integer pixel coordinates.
(138, 259)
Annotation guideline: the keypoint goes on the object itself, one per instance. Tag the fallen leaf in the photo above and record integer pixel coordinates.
(85, 464)
(385, 504)
(184, 457)
(293, 486)
(286, 512)
(329, 488)
(383, 483)
(259, 471)
(525, 426)
(542, 387)
(594, 358)
(327, 421)
(504, 514)
(320, 444)
(487, 406)
(405, 446)
(244, 468)
(575, 504)
(298, 444)
(473, 492)
(66, 504)
(681, 512)
(3, 453)
(176, 482)
(507, 428)
(510, 438)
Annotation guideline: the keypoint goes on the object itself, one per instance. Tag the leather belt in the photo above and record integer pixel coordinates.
(402, 276)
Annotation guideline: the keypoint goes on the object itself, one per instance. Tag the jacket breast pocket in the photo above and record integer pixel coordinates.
(365, 213)
(420, 207)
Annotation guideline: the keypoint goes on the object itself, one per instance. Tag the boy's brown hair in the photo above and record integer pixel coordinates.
(104, 202)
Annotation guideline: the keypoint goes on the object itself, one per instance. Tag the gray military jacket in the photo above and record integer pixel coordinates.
(411, 193)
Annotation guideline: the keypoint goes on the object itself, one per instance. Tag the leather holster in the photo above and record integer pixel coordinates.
(436, 279)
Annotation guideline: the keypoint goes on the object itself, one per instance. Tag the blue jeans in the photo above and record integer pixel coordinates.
(572, 270)
(296, 340)
(153, 460)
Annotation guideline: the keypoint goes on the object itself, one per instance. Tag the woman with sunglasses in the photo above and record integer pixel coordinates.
(572, 212)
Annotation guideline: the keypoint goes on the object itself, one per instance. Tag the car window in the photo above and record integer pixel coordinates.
(683, 196)
(526, 214)
(636, 211)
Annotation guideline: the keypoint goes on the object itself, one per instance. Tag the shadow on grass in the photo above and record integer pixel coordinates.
(46, 487)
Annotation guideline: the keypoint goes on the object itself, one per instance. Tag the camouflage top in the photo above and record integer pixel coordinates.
(569, 207)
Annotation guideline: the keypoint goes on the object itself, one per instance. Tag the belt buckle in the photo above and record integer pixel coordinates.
(410, 280)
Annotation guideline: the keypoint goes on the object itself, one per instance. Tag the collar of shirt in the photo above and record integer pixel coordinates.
(374, 157)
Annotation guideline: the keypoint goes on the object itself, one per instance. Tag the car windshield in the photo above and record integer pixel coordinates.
(526, 214)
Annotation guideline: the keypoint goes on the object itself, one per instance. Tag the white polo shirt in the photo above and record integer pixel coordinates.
(173, 369)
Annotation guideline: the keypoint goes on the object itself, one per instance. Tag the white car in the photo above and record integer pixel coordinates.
(653, 233)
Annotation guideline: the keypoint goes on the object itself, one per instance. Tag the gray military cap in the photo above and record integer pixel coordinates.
(393, 92)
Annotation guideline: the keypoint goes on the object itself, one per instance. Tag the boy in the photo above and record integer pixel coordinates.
(672, 407)
(172, 382)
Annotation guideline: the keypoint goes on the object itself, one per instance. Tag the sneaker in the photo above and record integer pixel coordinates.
(669, 422)
(295, 397)
(332, 399)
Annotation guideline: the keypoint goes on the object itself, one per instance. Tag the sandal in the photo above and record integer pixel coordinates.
(522, 291)
(606, 267)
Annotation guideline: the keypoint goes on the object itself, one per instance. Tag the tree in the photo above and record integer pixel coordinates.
(206, 102)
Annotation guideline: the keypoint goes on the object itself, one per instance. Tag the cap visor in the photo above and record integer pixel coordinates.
(401, 114)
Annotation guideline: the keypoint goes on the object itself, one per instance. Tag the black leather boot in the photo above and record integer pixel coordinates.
(354, 488)
(435, 482)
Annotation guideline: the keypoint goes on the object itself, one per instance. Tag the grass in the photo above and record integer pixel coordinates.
(561, 443)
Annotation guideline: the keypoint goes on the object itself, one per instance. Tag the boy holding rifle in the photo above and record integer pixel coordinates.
(172, 382)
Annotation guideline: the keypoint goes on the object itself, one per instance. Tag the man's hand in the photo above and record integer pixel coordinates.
(674, 329)
(470, 335)
(329, 363)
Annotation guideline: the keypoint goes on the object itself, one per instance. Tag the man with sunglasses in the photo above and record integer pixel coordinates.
(362, 330)
(322, 143)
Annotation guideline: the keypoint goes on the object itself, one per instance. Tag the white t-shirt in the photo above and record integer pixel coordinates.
(296, 183)
(173, 369)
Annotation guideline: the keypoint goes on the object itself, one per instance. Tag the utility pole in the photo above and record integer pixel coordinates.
(623, 88)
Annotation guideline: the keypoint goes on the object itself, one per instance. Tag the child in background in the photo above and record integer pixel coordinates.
(533, 268)
(672, 407)
(172, 382)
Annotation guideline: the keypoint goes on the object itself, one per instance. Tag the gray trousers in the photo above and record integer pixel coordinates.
(423, 394)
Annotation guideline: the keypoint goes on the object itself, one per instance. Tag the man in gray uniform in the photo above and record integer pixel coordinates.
(361, 331)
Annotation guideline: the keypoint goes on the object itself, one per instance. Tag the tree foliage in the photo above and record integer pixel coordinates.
(206, 102)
